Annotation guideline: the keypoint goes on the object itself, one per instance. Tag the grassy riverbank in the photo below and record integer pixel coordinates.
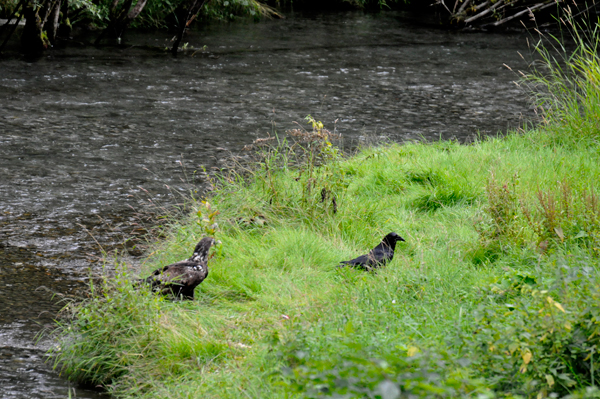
(494, 294)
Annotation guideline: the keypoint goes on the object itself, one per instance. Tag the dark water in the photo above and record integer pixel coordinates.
(92, 140)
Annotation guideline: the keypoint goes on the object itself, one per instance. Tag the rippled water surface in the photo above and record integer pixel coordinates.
(92, 139)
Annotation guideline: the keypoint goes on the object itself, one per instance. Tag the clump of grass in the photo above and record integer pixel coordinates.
(427, 177)
(443, 196)
(566, 84)
(115, 316)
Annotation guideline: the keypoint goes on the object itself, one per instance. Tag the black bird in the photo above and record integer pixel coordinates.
(182, 277)
(378, 256)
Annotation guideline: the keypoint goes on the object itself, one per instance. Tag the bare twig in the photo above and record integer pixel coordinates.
(480, 6)
(539, 7)
(444, 4)
(464, 5)
(454, 8)
(485, 12)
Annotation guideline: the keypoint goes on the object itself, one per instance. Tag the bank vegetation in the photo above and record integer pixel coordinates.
(52, 22)
(494, 294)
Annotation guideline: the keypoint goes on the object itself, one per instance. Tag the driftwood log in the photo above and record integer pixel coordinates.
(490, 14)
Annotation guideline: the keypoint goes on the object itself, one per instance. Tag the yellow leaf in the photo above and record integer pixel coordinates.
(568, 326)
(412, 350)
(549, 380)
(527, 357)
(558, 305)
(559, 232)
(523, 368)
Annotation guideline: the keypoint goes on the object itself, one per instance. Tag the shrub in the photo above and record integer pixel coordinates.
(535, 338)
(397, 374)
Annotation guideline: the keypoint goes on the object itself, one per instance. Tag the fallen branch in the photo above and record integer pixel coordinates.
(539, 7)
(485, 12)
(464, 5)
(493, 13)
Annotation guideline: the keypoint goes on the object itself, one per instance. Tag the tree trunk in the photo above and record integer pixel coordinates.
(32, 39)
(64, 26)
(121, 18)
(186, 13)
(54, 20)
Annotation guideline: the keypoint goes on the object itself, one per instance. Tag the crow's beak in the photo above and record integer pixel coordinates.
(401, 239)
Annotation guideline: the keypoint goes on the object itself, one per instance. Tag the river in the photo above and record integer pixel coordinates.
(95, 141)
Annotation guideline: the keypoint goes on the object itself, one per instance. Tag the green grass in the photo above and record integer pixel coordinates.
(274, 291)
(495, 292)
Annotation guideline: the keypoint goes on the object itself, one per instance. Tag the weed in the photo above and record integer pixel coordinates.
(564, 213)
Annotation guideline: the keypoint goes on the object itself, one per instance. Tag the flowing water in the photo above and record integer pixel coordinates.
(92, 141)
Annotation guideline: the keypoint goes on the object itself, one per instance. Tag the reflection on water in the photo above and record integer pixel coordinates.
(92, 138)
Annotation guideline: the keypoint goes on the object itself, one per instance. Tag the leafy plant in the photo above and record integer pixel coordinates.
(400, 373)
(538, 339)
(207, 218)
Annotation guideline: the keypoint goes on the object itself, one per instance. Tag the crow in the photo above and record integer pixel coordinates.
(378, 256)
(180, 278)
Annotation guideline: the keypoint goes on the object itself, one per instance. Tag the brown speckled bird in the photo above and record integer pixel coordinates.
(181, 278)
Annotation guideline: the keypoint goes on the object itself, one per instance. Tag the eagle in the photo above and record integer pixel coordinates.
(181, 278)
